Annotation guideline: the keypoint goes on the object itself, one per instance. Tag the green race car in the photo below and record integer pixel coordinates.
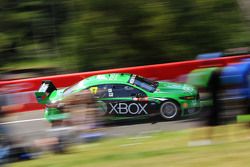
(127, 95)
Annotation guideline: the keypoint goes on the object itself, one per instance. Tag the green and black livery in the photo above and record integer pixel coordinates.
(127, 95)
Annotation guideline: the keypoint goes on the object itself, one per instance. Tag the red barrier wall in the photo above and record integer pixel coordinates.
(24, 89)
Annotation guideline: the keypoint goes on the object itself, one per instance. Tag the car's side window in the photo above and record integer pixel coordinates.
(100, 91)
(122, 90)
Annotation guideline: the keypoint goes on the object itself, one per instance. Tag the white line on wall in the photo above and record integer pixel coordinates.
(23, 121)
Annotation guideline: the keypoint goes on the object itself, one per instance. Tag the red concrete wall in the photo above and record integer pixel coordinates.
(20, 93)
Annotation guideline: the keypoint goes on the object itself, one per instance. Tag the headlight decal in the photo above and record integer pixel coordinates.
(188, 97)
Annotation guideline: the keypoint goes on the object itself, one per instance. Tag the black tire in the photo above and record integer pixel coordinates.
(169, 110)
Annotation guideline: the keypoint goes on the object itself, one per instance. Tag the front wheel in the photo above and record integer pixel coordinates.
(169, 110)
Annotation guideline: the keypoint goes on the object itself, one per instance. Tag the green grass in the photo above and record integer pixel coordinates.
(231, 147)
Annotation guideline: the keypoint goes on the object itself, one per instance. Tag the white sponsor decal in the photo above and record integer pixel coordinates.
(132, 80)
(106, 77)
(161, 99)
(188, 88)
(124, 108)
(44, 87)
(111, 94)
(101, 77)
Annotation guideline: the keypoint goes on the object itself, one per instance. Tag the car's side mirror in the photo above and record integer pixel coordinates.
(139, 95)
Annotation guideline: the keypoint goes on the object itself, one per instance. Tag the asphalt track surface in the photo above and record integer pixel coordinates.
(28, 126)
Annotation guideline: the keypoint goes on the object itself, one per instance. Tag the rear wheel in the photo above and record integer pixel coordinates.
(169, 110)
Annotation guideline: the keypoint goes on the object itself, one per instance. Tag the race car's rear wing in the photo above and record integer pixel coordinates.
(46, 88)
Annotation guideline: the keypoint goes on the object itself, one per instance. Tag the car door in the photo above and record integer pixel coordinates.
(124, 100)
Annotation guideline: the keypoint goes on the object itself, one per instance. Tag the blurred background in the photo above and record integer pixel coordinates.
(44, 38)
(71, 36)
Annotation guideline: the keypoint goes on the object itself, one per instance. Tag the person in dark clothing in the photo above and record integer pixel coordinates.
(214, 88)
(211, 117)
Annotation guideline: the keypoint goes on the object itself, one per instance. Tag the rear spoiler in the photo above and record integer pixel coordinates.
(46, 88)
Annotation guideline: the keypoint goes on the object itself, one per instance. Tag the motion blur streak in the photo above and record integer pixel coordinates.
(66, 41)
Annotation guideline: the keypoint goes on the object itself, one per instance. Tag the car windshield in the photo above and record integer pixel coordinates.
(143, 83)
